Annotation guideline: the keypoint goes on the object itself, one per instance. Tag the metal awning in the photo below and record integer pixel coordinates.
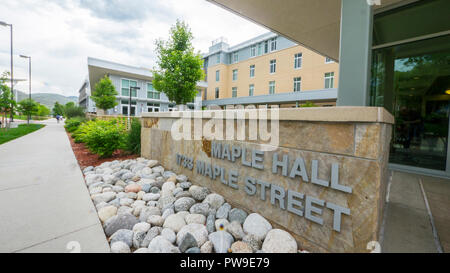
(314, 24)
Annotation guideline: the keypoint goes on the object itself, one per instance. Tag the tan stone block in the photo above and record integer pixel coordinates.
(367, 140)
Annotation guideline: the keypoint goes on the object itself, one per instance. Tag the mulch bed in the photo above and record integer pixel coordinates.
(85, 158)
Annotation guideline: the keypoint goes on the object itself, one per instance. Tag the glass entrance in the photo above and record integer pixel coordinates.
(412, 81)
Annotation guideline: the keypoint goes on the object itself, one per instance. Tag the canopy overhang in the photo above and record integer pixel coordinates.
(313, 24)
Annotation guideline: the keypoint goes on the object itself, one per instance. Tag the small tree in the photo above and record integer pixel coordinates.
(179, 67)
(42, 110)
(105, 94)
(72, 111)
(28, 107)
(58, 109)
(5, 96)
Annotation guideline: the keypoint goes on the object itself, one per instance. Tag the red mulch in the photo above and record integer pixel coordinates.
(85, 158)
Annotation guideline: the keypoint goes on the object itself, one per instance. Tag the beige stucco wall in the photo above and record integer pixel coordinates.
(356, 138)
(312, 73)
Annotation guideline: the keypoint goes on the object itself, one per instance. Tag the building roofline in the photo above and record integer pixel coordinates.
(247, 43)
(119, 67)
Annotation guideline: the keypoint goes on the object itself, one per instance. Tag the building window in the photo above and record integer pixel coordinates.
(253, 51)
(125, 105)
(235, 57)
(329, 80)
(260, 49)
(217, 75)
(272, 87)
(273, 66)
(218, 58)
(153, 107)
(235, 74)
(328, 60)
(252, 71)
(273, 44)
(298, 60)
(205, 96)
(151, 93)
(126, 84)
(217, 92)
(266, 47)
(251, 89)
(297, 84)
(234, 92)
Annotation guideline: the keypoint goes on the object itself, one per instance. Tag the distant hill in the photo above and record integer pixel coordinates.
(48, 99)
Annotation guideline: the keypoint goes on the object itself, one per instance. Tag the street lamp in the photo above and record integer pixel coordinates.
(12, 72)
(29, 82)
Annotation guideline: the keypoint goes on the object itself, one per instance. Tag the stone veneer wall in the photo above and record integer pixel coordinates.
(355, 137)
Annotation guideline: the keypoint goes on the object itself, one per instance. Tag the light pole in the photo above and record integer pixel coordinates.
(12, 72)
(29, 82)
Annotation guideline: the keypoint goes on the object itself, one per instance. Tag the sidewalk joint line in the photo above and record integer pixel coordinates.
(433, 227)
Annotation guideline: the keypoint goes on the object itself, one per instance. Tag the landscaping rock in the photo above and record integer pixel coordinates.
(195, 219)
(237, 215)
(214, 200)
(174, 222)
(106, 212)
(279, 241)
(257, 225)
(193, 250)
(103, 197)
(210, 222)
(200, 208)
(197, 230)
(187, 241)
(207, 247)
(123, 221)
(147, 211)
(235, 229)
(198, 193)
(252, 241)
(133, 188)
(169, 235)
(124, 210)
(161, 245)
(155, 220)
(138, 238)
(151, 197)
(151, 234)
(240, 247)
(124, 235)
(184, 204)
(141, 227)
(120, 247)
(223, 211)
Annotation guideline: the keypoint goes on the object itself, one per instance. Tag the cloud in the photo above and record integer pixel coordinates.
(128, 10)
(61, 34)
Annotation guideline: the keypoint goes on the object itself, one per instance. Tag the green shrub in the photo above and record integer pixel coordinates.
(72, 111)
(82, 131)
(102, 137)
(134, 137)
(73, 124)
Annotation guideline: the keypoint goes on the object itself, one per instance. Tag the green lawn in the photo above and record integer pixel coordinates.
(21, 130)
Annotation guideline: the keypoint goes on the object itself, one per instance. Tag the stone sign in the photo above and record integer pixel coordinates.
(325, 181)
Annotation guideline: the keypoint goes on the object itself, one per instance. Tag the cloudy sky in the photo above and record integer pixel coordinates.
(61, 34)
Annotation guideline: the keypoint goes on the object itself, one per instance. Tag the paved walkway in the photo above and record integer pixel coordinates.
(417, 218)
(44, 204)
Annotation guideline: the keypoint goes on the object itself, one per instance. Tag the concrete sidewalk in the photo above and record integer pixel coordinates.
(44, 204)
(417, 218)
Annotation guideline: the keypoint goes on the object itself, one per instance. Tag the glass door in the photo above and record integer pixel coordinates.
(412, 81)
